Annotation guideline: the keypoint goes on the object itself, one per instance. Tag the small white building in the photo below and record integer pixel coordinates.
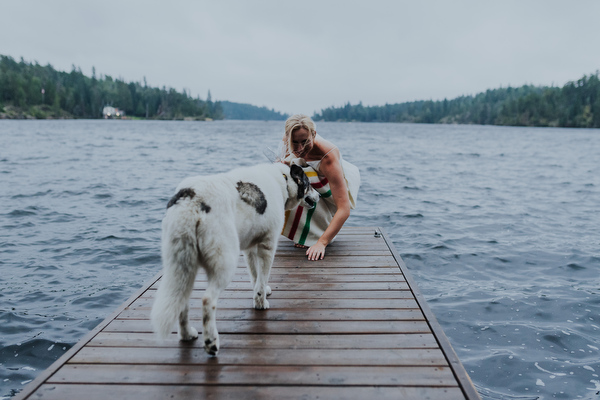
(112, 112)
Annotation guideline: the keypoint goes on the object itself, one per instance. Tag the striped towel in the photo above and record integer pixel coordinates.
(305, 226)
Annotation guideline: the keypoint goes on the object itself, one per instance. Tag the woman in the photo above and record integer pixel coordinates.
(336, 180)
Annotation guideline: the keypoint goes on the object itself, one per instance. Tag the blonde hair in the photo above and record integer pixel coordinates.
(292, 124)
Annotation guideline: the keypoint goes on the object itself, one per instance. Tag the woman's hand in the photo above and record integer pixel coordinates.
(316, 251)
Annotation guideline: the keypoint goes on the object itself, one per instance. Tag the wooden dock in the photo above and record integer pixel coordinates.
(352, 326)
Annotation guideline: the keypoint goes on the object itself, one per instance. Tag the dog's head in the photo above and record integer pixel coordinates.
(300, 190)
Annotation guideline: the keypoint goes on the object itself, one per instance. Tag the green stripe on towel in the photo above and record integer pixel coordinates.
(306, 229)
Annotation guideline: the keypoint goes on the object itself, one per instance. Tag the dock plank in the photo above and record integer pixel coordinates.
(308, 295)
(351, 326)
(284, 327)
(252, 357)
(292, 314)
(264, 340)
(303, 286)
(246, 392)
(267, 375)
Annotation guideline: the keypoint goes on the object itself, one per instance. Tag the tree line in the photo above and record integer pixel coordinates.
(576, 104)
(249, 112)
(30, 89)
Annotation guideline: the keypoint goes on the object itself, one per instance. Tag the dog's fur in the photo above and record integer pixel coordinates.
(208, 221)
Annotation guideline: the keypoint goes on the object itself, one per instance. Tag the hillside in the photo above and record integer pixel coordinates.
(249, 112)
(29, 90)
(576, 104)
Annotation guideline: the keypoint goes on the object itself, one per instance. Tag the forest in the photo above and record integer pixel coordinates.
(576, 104)
(29, 90)
(250, 112)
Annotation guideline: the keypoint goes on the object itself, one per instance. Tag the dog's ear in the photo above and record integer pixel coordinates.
(296, 172)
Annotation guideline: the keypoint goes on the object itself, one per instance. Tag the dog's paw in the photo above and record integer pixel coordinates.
(268, 290)
(211, 346)
(261, 303)
(189, 334)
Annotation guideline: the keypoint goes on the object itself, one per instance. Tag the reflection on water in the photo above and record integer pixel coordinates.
(499, 227)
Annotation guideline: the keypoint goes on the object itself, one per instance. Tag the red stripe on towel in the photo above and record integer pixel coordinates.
(295, 223)
(320, 184)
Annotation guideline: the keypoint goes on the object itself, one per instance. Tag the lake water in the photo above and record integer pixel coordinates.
(499, 226)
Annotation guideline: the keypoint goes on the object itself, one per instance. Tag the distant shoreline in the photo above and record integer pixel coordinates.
(48, 113)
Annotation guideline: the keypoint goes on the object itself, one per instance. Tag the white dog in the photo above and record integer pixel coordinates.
(208, 221)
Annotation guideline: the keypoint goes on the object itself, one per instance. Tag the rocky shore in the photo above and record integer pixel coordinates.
(33, 112)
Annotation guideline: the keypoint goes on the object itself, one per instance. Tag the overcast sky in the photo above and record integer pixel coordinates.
(303, 56)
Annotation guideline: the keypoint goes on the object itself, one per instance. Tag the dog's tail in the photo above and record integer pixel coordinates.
(180, 265)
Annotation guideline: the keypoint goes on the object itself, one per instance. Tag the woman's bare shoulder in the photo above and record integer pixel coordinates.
(325, 148)
(330, 162)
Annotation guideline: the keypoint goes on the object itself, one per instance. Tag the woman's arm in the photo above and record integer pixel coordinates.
(331, 168)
